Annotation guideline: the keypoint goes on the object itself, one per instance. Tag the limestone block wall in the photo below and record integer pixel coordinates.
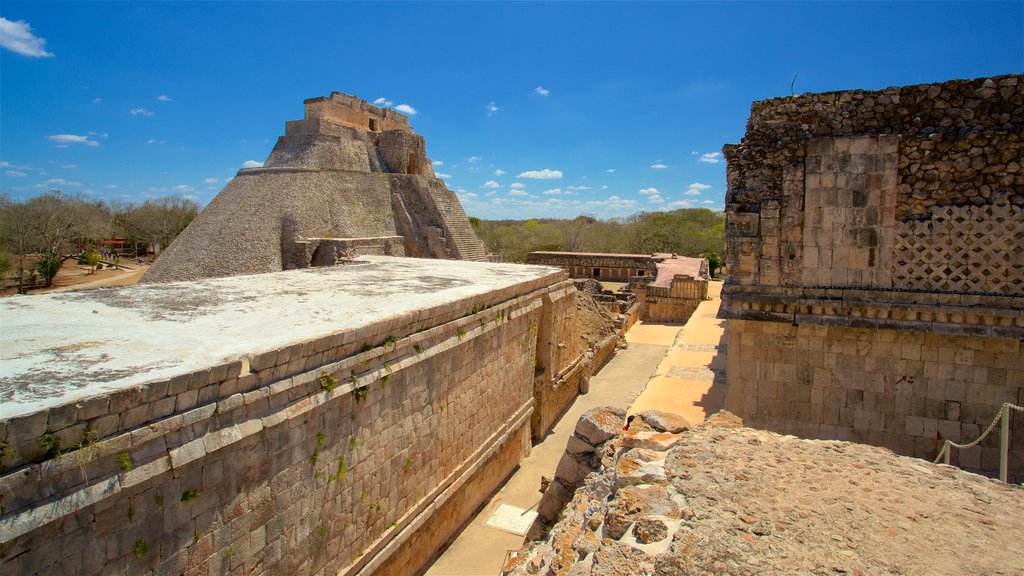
(907, 391)
(353, 112)
(675, 303)
(356, 452)
(869, 218)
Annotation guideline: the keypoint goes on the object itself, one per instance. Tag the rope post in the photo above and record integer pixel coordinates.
(946, 450)
(1004, 440)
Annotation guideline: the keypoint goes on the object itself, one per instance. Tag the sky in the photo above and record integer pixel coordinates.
(529, 109)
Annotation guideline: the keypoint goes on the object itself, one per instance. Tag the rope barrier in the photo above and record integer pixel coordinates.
(1004, 409)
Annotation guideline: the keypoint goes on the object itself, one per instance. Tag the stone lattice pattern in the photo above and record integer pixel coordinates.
(968, 249)
(871, 238)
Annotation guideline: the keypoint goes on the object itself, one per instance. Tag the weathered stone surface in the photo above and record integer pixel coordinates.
(577, 445)
(665, 421)
(745, 501)
(647, 530)
(634, 502)
(639, 466)
(660, 441)
(598, 425)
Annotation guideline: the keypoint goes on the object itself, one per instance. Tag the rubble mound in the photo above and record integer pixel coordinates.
(723, 499)
(595, 322)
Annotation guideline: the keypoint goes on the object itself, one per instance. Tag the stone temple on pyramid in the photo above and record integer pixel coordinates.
(349, 179)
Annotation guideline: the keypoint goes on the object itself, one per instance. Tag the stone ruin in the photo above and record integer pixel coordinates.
(349, 179)
(875, 267)
(666, 287)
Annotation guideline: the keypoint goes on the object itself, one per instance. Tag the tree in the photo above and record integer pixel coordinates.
(157, 221)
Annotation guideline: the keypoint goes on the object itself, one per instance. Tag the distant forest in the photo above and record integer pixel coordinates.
(687, 232)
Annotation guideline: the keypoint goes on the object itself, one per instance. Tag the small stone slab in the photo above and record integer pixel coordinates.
(660, 441)
(597, 425)
(665, 421)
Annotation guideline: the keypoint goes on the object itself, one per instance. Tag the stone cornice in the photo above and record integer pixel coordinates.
(954, 314)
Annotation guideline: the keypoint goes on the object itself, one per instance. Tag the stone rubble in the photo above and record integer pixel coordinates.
(725, 499)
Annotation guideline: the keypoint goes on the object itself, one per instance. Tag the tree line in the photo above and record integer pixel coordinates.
(696, 232)
(37, 235)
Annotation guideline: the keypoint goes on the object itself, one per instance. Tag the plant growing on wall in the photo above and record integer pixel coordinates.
(328, 382)
(51, 443)
(124, 462)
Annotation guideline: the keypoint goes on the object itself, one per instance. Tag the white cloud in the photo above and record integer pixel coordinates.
(499, 172)
(711, 157)
(155, 141)
(648, 191)
(610, 170)
(406, 109)
(517, 185)
(658, 166)
(97, 100)
(211, 180)
(553, 192)
(545, 174)
(491, 184)
(443, 176)
(16, 174)
(605, 187)
(614, 199)
(518, 193)
(492, 108)
(65, 139)
(164, 98)
(142, 111)
(182, 188)
(437, 162)
(467, 195)
(542, 90)
(680, 204)
(69, 166)
(111, 186)
(61, 182)
(696, 188)
(580, 188)
(252, 164)
(383, 102)
(708, 202)
(5, 164)
(473, 159)
(655, 199)
(694, 152)
(18, 38)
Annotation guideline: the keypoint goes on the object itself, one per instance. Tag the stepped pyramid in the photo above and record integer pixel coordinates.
(349, 179)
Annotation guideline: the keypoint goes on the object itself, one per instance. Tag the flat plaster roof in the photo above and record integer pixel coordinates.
(55, 348)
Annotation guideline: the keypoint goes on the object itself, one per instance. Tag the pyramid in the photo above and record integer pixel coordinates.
(349, 179)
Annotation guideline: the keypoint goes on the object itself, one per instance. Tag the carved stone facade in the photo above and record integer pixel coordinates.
(875, 261)
(349, 176)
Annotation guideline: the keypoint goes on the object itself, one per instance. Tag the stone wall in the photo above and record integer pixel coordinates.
(351, 452)
(857, 219)
(675, 303)
(601, 267)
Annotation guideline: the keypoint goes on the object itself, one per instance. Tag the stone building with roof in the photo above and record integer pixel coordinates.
(668, 287)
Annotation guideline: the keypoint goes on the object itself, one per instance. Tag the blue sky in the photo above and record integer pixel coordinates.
(621, 107)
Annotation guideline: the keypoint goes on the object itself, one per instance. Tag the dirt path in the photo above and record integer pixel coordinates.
(691, 378)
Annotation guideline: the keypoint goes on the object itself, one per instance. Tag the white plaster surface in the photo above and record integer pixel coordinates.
(56, 348)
